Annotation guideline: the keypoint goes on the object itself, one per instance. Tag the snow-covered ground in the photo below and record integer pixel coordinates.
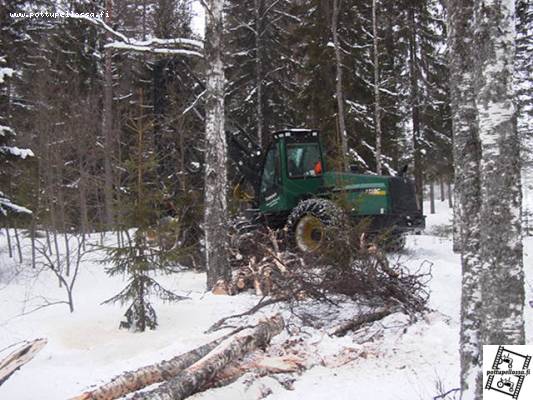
(86, 348)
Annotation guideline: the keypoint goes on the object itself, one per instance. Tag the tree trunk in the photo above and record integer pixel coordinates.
(198, 375)
(84, 216)
(415, 112)
(502, 281)
(259, 68)
(450, 194)
(33, 242)
(441, 182)
(432, 197)
(216, 212)
(8, 237)
(377, 103)
(467, 191)
(17, 241)
(132, 381)
(341, 122)
(19, 357)
(107, 122)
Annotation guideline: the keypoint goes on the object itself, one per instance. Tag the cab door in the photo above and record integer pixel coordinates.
(270, 189)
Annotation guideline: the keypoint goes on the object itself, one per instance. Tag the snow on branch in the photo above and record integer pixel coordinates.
(7, 205)
(6, 131)
(152, 45)
(193, 104)
(150, 49)
(16, 152)
(183, 41)
(6, 72)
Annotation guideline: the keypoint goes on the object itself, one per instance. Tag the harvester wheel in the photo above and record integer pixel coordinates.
(310, 222)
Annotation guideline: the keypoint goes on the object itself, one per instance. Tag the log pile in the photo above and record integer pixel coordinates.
(196, 370)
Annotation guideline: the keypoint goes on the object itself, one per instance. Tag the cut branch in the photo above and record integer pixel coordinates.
(361, 320)
(262, 303)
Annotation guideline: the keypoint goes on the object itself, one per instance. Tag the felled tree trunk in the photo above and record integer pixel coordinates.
(19, 357)
(200, 374)
(132, 381)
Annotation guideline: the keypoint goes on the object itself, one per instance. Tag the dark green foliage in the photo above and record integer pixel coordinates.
(151, 250)
(139, 261)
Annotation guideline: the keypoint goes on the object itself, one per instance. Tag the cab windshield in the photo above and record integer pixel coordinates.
(303, 160)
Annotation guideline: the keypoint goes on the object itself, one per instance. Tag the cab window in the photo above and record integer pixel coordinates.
(271, 173)
(303, 159)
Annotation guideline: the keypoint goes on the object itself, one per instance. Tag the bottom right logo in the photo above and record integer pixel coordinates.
(506, 372)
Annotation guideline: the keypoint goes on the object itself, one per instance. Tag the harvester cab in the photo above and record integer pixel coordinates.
(293, 187)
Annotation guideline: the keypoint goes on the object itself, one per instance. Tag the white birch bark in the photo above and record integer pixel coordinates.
(502, 279)
(198, 375)
(215, 216)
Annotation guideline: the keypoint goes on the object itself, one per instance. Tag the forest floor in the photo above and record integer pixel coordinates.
(388, 360)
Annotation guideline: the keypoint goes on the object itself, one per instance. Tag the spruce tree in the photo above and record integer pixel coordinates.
(142, 255)
(8, 153)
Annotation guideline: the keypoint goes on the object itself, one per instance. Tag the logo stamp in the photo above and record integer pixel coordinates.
(505, 371)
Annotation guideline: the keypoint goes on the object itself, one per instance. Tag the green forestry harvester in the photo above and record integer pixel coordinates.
(294, 188)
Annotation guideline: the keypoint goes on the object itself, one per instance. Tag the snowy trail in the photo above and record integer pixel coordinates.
(86, 348)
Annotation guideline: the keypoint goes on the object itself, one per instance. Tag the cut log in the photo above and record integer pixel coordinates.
(132, 381)
(260, 365)
(19, 357)
(361, 320)
(197, 376)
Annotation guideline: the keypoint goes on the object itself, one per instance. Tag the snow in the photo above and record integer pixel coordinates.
(6, 72)
(388, 360)
(16, 152)
(6, 130)
(198, 20)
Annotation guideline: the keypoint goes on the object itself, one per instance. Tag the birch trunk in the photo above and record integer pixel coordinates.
(377, 102)
(198, 375)
(502, 279)
(215, 216)
(467, 154)
(132, 381)
(339, 89)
